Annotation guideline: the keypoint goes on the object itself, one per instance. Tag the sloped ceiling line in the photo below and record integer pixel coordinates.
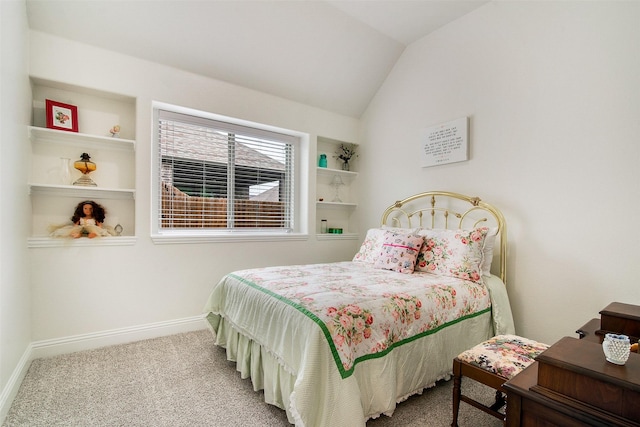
(332, 55)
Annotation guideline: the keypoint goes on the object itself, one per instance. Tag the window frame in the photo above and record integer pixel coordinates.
(300, 193)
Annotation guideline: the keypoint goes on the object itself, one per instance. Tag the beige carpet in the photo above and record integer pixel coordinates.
(182, 380)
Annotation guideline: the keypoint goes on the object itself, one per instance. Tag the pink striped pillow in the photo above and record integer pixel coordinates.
(399, 252)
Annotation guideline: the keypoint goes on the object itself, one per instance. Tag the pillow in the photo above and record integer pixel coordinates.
(487, 251)
(372, 244)
(454, 253)
(399, 252)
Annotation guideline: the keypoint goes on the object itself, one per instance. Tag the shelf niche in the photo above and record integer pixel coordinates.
(337, 214)
(53, 200)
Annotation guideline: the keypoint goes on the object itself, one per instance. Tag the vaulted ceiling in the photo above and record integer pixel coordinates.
(332, 55)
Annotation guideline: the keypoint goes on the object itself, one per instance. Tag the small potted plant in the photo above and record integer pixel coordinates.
(345, 153)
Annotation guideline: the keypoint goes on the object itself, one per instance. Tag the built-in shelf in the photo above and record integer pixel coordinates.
(331, 236)
(84, 140)
(52, 242)
(80, 191)
(53, 152)
(337, 205)
(332, 172)
(337, 214)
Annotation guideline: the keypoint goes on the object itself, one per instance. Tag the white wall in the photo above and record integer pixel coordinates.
(15, 326)
(85, 290)
(553, 96)
(552, 93)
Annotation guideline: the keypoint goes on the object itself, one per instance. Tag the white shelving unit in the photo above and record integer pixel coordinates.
(338, 213)
(53, 198)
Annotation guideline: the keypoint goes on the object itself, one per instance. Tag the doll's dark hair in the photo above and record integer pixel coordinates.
(98, 211)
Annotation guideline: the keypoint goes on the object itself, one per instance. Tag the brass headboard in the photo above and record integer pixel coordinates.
(443, 209)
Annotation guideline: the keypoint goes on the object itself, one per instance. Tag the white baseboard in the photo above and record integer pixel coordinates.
(57, 346)
(90, 341)
(11, 388)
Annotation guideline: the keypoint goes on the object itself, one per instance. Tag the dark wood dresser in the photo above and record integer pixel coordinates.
(571, 384)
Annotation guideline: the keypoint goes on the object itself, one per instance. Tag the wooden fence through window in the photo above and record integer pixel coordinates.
(180, 210)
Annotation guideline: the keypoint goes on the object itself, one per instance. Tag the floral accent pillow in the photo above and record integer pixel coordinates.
(372, 244)
(399, 252)
(454, 253)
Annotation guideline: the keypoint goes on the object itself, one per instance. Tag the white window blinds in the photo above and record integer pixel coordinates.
(223, 176)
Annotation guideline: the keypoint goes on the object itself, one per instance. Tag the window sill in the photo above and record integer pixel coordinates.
(176, 239)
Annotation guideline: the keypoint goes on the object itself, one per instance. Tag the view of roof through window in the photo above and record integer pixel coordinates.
(198, 157)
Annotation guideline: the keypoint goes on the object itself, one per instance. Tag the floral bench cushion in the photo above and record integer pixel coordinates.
(504, 355)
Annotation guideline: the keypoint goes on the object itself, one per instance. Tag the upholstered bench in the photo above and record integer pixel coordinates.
(492, 363)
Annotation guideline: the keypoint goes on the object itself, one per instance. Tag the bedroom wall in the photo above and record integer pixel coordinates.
(84, 291)
(552, 93)
(15, 326)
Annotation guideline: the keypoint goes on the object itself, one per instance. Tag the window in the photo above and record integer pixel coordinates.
(222, 177)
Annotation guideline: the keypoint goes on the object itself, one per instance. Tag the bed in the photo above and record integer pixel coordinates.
(336, 344)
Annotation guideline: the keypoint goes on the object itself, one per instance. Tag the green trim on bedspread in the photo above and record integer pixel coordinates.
(344, 373)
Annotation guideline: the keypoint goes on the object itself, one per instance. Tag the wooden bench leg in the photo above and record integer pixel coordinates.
(457, 380)
(500, 401)
(462, 369)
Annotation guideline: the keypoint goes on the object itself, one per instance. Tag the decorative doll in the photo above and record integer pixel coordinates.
(87, 219)
(115, 131)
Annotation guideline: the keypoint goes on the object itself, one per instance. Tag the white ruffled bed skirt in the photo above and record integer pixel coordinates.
(253, 361)
(317, 396)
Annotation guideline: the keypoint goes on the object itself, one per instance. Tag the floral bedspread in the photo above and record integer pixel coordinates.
(365, 312)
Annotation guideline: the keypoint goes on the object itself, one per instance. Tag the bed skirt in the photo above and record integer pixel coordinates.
(317, 396)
